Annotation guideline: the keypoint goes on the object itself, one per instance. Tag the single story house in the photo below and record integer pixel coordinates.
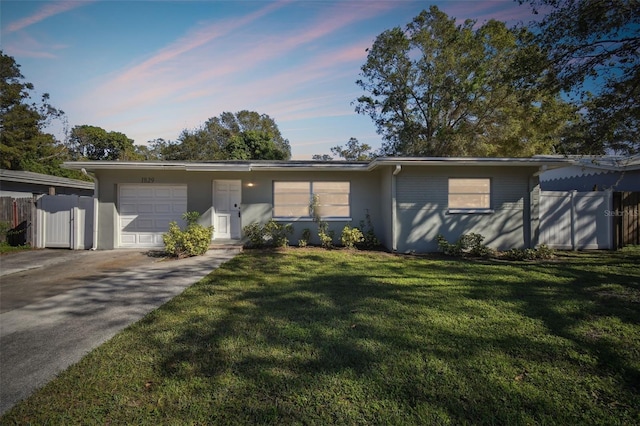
(23, 184)
(409, 200)
(619, 174)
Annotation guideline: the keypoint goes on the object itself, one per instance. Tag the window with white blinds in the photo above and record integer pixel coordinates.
(293, 199)
(469, 193)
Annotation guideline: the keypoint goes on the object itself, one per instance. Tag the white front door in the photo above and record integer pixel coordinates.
(226, 206)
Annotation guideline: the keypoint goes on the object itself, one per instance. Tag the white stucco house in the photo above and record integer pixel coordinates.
(409, 200)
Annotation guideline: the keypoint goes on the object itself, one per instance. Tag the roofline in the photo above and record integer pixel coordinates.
(24, 176)
(469, 161)
(248, 166)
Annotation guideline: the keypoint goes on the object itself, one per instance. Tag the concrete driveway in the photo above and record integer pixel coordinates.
(57, 305)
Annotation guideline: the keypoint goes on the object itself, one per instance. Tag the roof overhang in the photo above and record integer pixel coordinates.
(218, 166)
(545, 163)
(352, 166)
(42, 179)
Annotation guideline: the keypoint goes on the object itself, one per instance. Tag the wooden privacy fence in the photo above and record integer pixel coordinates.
(626, 218)
(571, 220)
(18, 215)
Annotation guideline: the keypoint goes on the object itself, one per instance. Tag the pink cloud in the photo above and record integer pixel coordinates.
(25, 46)
(194, 40)
(48, 10)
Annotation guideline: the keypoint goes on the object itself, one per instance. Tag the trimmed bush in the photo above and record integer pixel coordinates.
(194, 240)
(467, 244)
(351, 236)
(271, 234)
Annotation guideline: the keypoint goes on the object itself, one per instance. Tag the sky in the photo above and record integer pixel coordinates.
(150, 69)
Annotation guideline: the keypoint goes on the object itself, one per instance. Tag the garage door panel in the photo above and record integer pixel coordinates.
(163, 208)
(147, 210)
(163, 193)
(128, 208)
(128, 239)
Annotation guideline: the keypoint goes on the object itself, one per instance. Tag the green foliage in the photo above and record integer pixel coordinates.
(370, 241)
(542, 252)
(277, 233)
(395, 340)
(305, 238)
(436, 88)
(354, 151)
(326, 236)
(593, 48)
(255, 234)
(95, 144)
(4, 229)
(24, 144)
(351, 236)
(193, 241)
(271, 234)
(245, 135)
(467, 244)
(471, 245)
(253, 145)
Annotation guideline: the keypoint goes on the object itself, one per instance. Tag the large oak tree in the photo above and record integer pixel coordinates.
(435, 88)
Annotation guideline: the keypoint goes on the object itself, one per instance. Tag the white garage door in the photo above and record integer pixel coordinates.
(146, 210)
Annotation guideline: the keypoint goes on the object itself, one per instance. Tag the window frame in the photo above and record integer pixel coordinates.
(311, 193)
(470, 210)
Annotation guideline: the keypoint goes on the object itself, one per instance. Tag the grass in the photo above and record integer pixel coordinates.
(306, 336)
(6, 248)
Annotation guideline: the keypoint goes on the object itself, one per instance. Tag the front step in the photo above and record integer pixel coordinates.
(226, 245)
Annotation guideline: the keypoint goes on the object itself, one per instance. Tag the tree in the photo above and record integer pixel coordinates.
(441, 89)
(353, 151)
(594, 49)
(24, 144)
(95, 143)
(245, 135)
(253, 145)
(322, 157)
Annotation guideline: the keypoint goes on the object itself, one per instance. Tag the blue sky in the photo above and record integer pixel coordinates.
(150, 69)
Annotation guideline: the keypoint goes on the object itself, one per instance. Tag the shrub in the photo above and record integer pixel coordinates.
(326, 236)
(270, 234)
(369, 241)
(276, 233)
(4, 230)
(467, 244)
(351, 236)
(193, 241)
(255, 234)
(545, 252)
(542, 252)
(306, 236)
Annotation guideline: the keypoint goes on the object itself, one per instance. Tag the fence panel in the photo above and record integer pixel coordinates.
(626, 218)
(18, 213)
(67, 221)
(576, 220)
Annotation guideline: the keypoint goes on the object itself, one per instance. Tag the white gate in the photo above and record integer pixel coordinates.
(65, 221)
(576, 220)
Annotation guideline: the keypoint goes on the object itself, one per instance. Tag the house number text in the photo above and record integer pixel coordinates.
(148, 180)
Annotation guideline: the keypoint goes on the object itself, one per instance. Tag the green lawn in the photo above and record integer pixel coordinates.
(306, 336)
